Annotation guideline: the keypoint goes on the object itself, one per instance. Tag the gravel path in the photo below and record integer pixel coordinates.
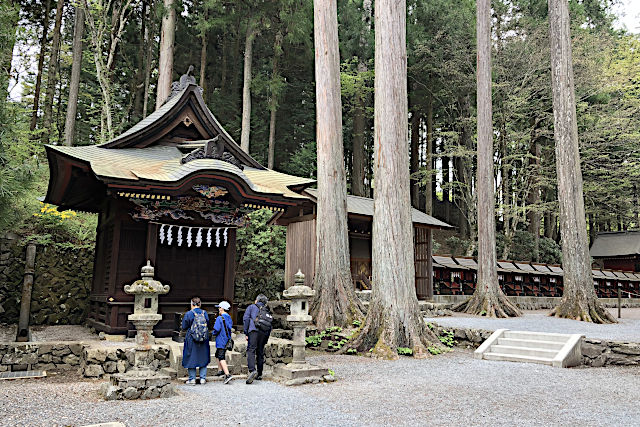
(628, 328)
(451, 389)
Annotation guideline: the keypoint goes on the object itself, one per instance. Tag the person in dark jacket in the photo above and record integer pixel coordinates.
(195, 353)
(222, 333)
(256, 338)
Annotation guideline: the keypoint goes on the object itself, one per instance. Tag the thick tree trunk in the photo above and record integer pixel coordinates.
(74, 85)
(429, 181)
(246, 86)
(165, 60)
(335, 302)
(415, 156)
(464, 167)
(394, 319)
(138, 85)
(52, 75)
(446, 186)
(273, 101)
(579, 299)
(488, 299)
(43, 50)
(11, 18)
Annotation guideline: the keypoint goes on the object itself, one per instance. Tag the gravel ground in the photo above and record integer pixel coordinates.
(628, 328)
(451, 389)
(50, 333)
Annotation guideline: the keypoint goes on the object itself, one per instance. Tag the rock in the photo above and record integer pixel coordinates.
(168, 390)
(111, 393)
(76, 349)
(627, 348)
(110, 367)
(93, 371)
(71, 359)
(121, 366)
(147, 394)
(102, 336)
(592, 350)
(103, 389)
(329, 378)
(61, 351)
(112, 355)
(45, 366)
(47, 358)
(170, 372)
(45, 348)
(93, 355)
(131, 393)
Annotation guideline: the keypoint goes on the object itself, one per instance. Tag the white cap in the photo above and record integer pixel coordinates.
(224, 305)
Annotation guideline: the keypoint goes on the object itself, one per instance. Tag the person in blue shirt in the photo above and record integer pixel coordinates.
(222, 333)
(256, 339)
(195, 354)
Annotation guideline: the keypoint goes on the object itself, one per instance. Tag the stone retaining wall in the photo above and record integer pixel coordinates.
(91, 360)
(595, 352)
(62, 282)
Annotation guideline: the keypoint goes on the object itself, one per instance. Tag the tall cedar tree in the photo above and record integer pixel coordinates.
(335, 303)
(52, 78)
(394, 318)
(74, 85)
(579, 299)
(246, 85)
(165, 61)
(487, 298)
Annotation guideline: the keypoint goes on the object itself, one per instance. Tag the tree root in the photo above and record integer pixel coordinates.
(489, 304)
(586, 310)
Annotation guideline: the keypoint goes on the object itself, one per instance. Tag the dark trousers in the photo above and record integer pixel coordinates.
(255, 350)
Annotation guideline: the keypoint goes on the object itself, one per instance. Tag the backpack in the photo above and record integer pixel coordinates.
(199, 329)
(263, 318)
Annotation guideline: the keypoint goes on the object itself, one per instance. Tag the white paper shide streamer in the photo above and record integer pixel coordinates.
(193, 236)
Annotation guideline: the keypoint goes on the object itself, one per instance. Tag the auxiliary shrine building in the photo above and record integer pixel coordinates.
(173, 189)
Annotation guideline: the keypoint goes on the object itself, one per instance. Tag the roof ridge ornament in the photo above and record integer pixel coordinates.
(185, 80)
(212, 149)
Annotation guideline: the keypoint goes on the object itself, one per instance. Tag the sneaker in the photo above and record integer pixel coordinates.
(190, 382)
(203, 381)
(252, 376)
(259, 377)
(227, 378)
(219, 374)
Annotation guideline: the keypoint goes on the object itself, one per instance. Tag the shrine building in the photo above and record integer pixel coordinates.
(173, 189)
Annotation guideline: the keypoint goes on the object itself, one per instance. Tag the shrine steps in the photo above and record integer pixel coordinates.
(559, 350)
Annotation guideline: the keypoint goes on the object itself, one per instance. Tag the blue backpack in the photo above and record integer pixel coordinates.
(199, 329)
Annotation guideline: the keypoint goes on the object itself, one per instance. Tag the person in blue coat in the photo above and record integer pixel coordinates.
(195, 354)
(222, 334)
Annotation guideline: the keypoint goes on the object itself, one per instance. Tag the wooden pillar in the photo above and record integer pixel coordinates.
(429, 263)
(24, 333)
(152, 243)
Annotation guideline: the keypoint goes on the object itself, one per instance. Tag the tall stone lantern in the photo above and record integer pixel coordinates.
(299, 371)
(145, 308)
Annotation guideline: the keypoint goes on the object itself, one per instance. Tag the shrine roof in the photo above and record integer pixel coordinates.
(364, 206)
(161, 163)
(611, 244)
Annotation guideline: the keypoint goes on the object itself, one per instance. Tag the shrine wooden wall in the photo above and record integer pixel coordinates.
(300, 252)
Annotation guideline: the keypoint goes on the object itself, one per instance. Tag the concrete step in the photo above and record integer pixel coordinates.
(524, 351)
(537, 336)
(514, 342)
(560, 350)
(517, 358)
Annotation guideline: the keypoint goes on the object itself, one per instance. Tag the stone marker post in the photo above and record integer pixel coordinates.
(299, 371)
(24, 333)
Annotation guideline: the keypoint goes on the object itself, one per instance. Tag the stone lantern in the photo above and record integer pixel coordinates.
(145, 309)
(142, 381)
(299, 371)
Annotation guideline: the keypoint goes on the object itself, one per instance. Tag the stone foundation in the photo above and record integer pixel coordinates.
(132, 386)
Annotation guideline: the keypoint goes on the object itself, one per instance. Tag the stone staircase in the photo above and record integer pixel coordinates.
(559, 350)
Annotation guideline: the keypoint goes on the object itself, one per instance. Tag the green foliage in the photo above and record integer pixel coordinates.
(260, 256)
(405, 351)
(313, 340)
(434, 350)
(332, 372)
(352, 351)
(357, 323)
(447, 338)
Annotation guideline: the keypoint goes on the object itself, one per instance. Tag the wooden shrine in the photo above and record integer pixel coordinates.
(172, 189)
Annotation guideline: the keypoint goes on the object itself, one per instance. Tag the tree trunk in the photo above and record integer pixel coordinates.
(138, 86)
(203, 53)
(246, 86)
(464, 167)
(74, 85)
(415, 156)
(273, 101)
(359, 126)
(165, 61)
(149, 31)
(52, 75)
(579, 299)
(335, 302)
(488, 299)
(43, 50)
(429, 181)
(11, 18)
(533, 198)
(446, 185)
(394, 319)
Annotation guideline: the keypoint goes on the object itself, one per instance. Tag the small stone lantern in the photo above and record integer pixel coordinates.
(299, 371)
(145, 309)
